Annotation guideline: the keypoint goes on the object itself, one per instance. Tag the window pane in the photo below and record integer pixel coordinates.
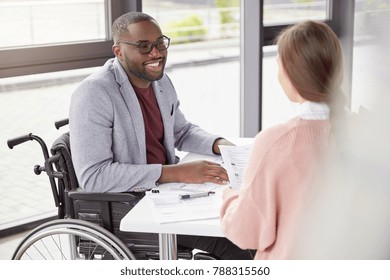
(370, 65)
(31, 104)
(203, 60)
(289, 11)
(29, 23)
(277, 108)
(371, 61)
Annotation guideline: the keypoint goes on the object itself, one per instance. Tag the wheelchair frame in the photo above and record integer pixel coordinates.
(80, 233)
(66, 238)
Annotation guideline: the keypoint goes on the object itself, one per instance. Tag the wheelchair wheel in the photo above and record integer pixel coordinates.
(71, 239)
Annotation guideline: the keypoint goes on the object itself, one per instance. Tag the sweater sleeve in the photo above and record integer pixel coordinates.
(248, 216)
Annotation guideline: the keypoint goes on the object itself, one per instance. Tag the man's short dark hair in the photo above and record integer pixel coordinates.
(119, 27)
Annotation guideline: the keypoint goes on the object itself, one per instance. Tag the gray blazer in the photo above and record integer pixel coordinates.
(107, 133)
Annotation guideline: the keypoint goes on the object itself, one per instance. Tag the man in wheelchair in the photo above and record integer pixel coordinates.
(125, 123)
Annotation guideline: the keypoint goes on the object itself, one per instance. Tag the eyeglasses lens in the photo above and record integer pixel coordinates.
(147, 47)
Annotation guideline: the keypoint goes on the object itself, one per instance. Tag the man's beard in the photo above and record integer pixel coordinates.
(142, 73)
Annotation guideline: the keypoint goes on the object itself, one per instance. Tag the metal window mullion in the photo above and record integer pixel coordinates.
(251, 62)
(342, 22)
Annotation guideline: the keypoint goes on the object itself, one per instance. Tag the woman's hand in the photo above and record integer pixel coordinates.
(227, 192)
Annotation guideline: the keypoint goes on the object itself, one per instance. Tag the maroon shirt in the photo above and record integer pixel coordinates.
(154, 128)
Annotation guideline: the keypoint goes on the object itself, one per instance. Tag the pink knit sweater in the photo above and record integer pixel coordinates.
(265, 213)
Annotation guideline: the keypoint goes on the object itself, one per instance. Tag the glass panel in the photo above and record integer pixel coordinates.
(277, 108)
(371, 61)
(288, 11)
(370, 65)
(29, 23)
(31, 104)
(203, 60)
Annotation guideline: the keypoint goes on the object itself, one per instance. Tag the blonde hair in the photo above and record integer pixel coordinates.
(311, 55)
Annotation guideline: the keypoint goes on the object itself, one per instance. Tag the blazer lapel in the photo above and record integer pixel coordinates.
(167, 115)
(133, 106)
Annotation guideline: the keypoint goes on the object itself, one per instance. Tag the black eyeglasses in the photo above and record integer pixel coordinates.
(146, 47)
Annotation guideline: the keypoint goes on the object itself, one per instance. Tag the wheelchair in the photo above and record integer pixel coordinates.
(87, 227)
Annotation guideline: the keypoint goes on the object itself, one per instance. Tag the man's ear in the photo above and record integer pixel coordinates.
(117, 51)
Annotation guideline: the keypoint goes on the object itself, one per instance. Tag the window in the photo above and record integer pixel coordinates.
(276, 107)
(49, 36)
(278, 12)
(203, 59)
(32, 23)
(371, 61)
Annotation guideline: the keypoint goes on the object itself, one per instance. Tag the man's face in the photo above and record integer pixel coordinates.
(142, 68)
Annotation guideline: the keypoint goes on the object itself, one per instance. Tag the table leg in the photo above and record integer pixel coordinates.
(167, 246)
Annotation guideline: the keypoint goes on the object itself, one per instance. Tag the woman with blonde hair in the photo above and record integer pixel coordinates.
(266, 212)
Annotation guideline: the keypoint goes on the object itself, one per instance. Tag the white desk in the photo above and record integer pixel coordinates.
(141, 219)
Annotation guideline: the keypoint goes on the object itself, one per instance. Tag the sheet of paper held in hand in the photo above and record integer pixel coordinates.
(235, 159)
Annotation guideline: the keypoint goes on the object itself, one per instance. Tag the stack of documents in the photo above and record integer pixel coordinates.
(170, 202)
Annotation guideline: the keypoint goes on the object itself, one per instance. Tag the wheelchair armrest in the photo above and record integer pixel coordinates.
(112, 197)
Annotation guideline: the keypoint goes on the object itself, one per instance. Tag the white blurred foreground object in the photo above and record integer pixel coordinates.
(349, 217)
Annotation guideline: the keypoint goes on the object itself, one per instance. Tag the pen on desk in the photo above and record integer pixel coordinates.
(194, 195)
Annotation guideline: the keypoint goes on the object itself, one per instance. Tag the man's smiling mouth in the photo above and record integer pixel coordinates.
(156, 63)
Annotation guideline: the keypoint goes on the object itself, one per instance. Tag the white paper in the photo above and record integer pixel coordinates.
(169, 207)
(235, 159)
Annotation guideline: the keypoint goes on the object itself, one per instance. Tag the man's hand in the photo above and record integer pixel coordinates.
(197, 172)
(220, 141)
